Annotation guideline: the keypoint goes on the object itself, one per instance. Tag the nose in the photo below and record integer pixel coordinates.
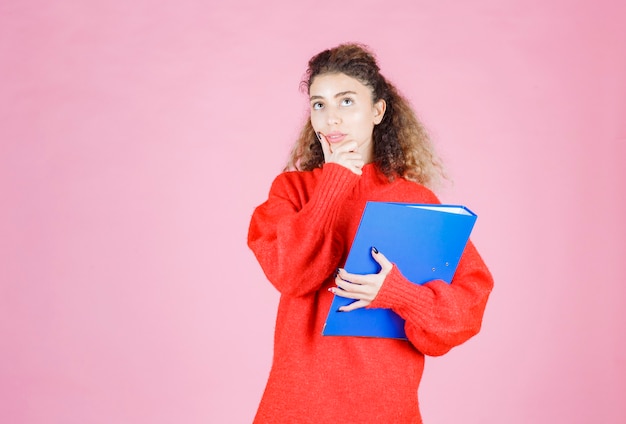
(333, 117)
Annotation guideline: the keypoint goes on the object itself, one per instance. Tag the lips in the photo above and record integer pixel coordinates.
(335, 137)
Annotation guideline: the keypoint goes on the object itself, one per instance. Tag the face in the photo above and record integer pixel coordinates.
(342, 110)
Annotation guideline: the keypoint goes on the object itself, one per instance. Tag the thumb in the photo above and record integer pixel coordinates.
(381, 259)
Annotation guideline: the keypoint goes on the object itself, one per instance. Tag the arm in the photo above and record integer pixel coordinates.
(438, 315)
(291, 235)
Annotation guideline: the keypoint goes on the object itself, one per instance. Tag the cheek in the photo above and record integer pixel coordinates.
(363, 120)
(316, 120)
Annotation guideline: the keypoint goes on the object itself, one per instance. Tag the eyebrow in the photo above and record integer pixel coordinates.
(343, 93)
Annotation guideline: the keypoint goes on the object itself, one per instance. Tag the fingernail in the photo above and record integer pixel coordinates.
(319, 136)
(331, 289)
(374, 249)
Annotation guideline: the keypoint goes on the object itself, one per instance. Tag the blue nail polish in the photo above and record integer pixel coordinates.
(374, 249)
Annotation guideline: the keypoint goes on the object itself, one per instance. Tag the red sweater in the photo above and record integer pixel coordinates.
(300, 235)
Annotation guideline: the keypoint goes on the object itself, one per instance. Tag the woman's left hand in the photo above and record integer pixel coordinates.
(363, 288)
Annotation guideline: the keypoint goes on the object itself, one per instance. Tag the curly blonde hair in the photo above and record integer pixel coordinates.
(401, 145)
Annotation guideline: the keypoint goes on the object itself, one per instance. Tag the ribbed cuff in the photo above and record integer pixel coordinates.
(401, 295)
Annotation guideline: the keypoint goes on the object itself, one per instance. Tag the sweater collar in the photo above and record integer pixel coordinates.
(372, 176)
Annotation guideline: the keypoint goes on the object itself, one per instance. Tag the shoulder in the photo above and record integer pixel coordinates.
(294, 184)
(295, 178)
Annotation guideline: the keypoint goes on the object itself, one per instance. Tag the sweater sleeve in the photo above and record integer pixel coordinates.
(438, 315)
(291, 235)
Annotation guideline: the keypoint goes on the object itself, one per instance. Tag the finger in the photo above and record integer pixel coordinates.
(351, 290)
(354, 157)
(346, 293)
(346, 281)
(382, 260)
(325, 145)
(354, 305)
(358, 163)
(354, 283)
(351, 146)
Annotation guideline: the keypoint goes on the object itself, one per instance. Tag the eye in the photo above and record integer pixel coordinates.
(316, 106)
(346, 101)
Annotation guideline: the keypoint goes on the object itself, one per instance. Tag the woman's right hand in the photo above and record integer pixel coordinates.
(345, 154)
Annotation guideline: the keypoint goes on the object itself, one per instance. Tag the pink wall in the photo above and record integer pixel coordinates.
(136, 138)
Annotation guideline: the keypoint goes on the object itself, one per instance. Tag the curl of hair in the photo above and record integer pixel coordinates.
(401, 144)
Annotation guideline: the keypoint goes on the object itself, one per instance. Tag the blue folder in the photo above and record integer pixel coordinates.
(425, 241)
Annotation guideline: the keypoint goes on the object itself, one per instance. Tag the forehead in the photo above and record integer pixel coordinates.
(327, 85)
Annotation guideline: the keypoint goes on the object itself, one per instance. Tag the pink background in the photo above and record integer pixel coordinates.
(136, 137)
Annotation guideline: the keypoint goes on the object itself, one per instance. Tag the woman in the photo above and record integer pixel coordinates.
(362, 143)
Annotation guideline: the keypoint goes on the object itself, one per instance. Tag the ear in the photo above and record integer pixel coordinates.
(379, 111)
